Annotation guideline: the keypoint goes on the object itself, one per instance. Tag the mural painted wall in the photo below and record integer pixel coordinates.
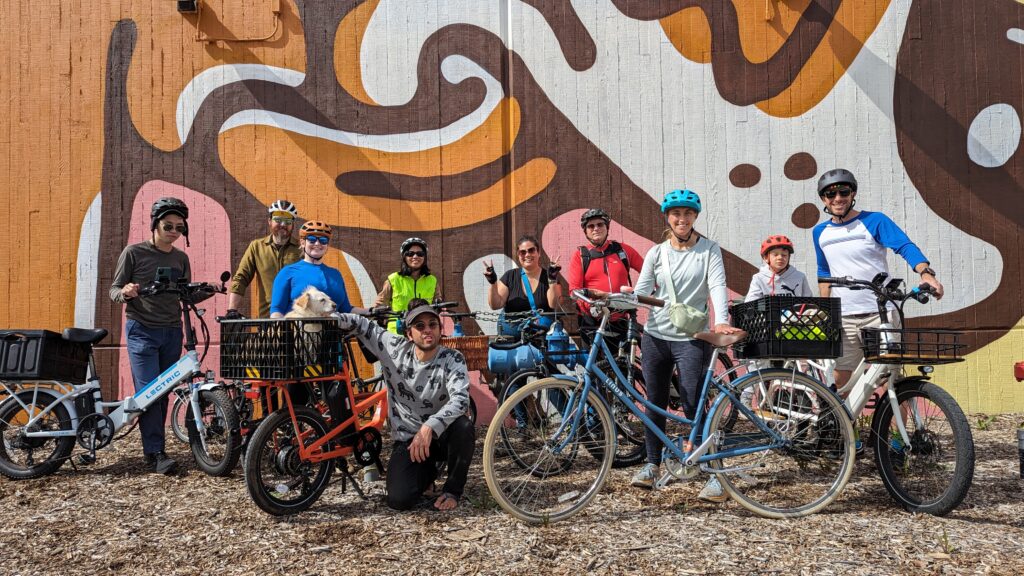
(469, 123)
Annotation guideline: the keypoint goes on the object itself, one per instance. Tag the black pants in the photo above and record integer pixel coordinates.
(407, 480)
(588, 329)
(690, 358)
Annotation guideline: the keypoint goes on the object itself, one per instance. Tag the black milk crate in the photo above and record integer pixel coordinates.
(789, 327)
(923, 346)
(42, 355)
(280, 349)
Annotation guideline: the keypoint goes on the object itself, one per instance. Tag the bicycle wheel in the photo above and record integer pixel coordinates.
(178, 426)
(934, 475)
(803, 473)
(277, 480)
(217, 453)
(543, 476)
(21, 457)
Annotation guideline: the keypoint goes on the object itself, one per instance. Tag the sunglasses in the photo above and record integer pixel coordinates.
(843, 192)
(415, 254)
(421, 326)
(180, 228)
(283, 221)
(321, 239)
(530, 250)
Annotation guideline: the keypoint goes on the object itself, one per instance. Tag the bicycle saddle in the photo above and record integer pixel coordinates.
(84, 335)
(720, 340)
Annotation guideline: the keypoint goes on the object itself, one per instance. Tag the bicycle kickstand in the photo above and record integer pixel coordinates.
(346, 477)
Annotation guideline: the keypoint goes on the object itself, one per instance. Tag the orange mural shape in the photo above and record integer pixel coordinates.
(765, 27)
(314, 164)
(168, 56)
(347, 43)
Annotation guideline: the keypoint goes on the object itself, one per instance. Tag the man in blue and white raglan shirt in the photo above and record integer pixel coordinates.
(852, 244)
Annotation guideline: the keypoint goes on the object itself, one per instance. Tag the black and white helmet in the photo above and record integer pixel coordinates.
(413, 242)
(283, 206)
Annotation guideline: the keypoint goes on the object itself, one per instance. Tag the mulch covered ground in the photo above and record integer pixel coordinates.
(114, 518)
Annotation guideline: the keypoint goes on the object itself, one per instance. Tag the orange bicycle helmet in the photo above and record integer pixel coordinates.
(776, 241)
(315, 228)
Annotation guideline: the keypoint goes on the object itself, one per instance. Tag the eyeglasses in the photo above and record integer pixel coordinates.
(421, 326)
(180, 228)
(844, 192)
(530, 250)
(283, 221)
(415, 254)
(321, 239)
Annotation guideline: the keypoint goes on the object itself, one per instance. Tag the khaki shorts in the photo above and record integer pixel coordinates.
(852, 352)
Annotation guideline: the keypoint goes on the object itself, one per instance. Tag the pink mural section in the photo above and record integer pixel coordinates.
(209, 254)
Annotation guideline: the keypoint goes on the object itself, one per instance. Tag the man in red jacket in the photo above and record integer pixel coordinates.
(602, 264)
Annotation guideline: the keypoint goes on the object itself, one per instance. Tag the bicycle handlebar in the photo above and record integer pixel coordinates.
(885, 291)
(598, 297)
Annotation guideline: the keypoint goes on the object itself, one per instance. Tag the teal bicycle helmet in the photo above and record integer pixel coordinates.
(681, 199)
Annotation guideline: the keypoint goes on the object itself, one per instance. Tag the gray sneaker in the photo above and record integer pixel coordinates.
(712, 491)
(646, 477)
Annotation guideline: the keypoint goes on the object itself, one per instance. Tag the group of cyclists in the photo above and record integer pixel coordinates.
(428, 383)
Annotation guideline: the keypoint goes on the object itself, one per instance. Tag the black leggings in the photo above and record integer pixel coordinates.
(690, 358)
(407, 480)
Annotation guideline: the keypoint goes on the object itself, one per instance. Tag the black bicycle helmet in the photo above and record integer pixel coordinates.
(837, 176)
(594, 213)
(413, 242)
(165, 206)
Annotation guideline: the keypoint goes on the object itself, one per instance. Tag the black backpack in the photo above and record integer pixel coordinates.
(613, 248)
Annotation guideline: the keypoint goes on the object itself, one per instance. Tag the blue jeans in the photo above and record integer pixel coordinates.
(150, 352)
(660, 357)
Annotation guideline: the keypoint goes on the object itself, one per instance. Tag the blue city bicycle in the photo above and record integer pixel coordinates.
(785, 450)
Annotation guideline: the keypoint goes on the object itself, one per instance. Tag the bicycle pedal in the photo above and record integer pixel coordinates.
(86, 459)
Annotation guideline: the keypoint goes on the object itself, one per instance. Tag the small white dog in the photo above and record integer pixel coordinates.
(312, 304)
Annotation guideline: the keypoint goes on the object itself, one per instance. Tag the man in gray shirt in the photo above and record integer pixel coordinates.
(428, 395)
(153, 324)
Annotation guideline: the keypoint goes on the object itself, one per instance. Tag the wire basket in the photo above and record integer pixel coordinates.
(280, 349)
(925, 346)
(789, 327)
(474, 348)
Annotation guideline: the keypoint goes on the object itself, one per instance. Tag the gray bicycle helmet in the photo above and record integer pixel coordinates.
(837, 176)
(594, 213)
(413, 242)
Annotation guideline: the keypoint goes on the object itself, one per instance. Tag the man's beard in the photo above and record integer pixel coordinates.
(281, 238)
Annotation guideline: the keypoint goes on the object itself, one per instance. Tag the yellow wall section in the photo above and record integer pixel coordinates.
(985, 382)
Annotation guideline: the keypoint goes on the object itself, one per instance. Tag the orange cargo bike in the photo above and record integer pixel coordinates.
(326, 413)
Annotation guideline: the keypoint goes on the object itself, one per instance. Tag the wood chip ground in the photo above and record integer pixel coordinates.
(113, 518)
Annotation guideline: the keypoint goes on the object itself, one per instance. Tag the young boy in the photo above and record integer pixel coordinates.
(777, 276)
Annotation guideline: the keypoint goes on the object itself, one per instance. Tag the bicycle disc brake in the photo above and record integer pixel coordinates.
(368, 446)
(95, 431)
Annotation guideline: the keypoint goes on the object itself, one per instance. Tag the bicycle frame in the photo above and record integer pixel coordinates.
(700, 430)
(360, 402)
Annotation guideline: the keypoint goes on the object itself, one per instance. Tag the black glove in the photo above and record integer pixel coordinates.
(553, 271)
(233, 314)
(491, 275)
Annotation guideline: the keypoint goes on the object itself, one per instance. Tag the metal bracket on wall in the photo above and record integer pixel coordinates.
(275, 9)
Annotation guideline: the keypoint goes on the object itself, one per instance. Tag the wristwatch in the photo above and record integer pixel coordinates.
(928, 270)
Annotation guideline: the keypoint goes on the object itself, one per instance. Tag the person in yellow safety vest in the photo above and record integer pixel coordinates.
(412, 280)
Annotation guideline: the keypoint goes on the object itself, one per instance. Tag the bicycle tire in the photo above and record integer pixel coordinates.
(516, 421)
(12, 443)
(223, 431)
(548, 486)
(272, 466)
(813, 466)
(926, 479)
(178, 410)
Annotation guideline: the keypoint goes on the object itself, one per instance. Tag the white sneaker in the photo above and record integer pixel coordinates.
(646, 477)
(712, 491)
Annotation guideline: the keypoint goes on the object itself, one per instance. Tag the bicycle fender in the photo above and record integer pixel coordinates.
(208, 385)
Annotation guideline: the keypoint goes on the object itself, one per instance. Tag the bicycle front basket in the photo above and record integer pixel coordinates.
(280, 349)
(923, 346)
